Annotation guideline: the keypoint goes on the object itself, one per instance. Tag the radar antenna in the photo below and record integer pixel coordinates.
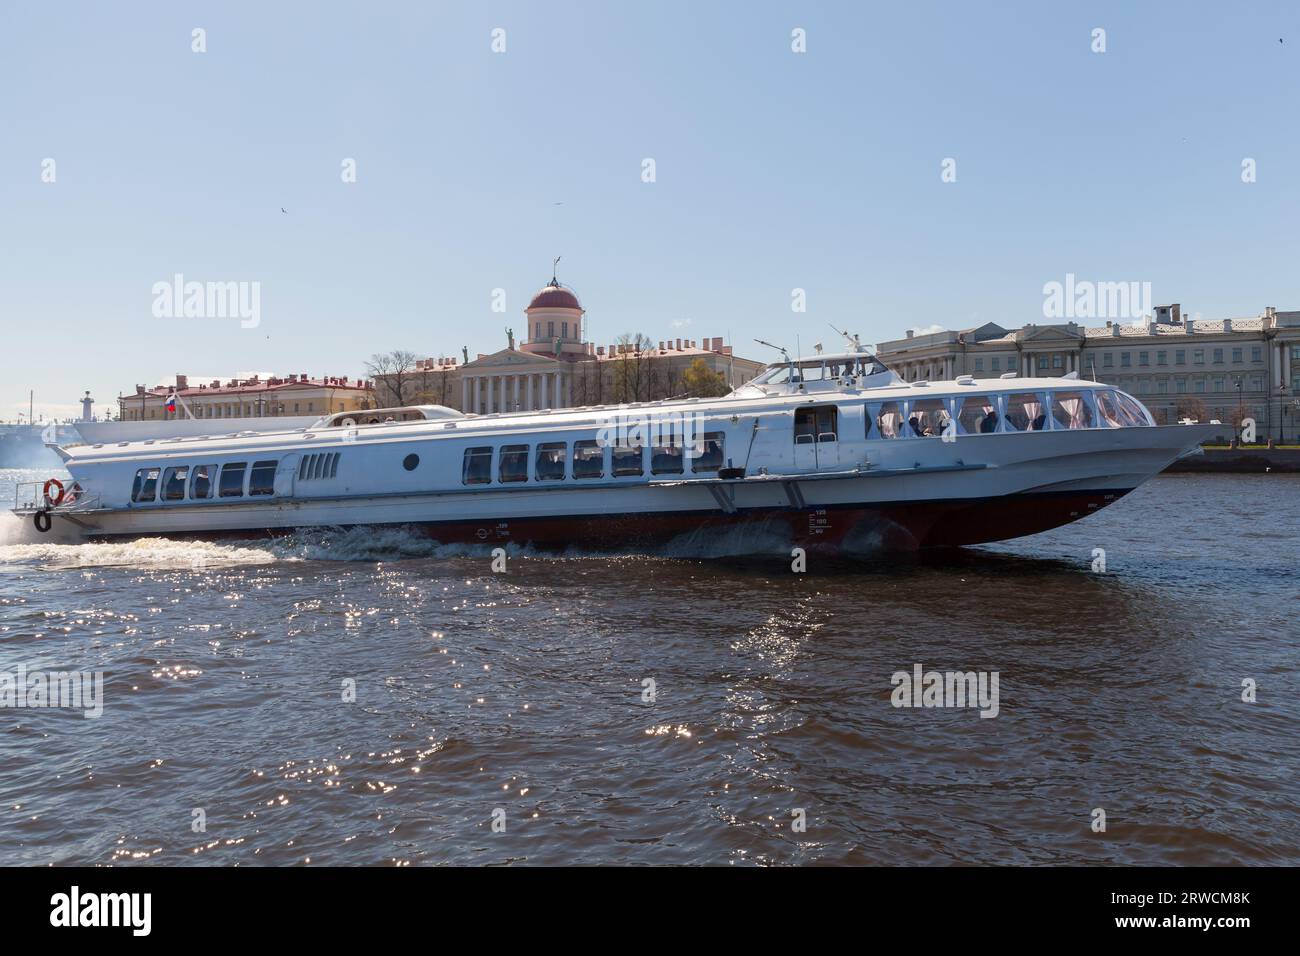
(784, 354)
(855, 345)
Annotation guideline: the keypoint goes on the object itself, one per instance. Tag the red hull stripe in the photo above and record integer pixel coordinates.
(903, 525)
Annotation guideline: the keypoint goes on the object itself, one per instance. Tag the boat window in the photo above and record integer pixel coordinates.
(174, 483)
(928, 417)
(1108, 410)
(978, 415)
(514, 463)
(709, 452)
(815, 424)
(1134, 414)
(1026, 412)
(477, 469)
(261, 480)
(232, 479)
(667, 455)
(552, 457)
(626, 459)
(889, 419)
(146, 485)
(1072, 409)
(201, 481)
(588, 459)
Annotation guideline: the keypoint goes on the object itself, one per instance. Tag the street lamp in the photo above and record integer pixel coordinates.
(1240, 411)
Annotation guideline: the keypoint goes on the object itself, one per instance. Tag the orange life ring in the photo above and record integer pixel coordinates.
(53, 501)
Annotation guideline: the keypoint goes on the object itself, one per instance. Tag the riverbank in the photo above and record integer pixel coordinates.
(1252, 459)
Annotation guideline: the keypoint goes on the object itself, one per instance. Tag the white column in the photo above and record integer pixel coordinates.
(493, 394)
(528, 392)
(568, 390)
(464, 393)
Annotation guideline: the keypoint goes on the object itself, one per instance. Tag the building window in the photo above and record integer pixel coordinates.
(1042, 362)
(1162, 358)
(1125, 360)
(550, 330)
(1256, 355)
(979, 365)
(1295, 352)
(1198, 385)
(1108, 360)
(996, 363)
(1198, 356)
(1218, 383)
(232, 479)
(477, 467)
(1236, 356)
(588, 459)
(1058, 361)
(1162, 386)
(1180, 385)
(537, 331)
(1144, 358)
(1218, 356)
(1180, 357)
(564, 330)
(1012, 364)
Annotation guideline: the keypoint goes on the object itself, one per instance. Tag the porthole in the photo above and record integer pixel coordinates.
(411, 462)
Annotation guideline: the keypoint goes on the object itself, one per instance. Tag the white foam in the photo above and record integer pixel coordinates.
(140, 553)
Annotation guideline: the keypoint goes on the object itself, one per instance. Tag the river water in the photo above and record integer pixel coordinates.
(666, 708)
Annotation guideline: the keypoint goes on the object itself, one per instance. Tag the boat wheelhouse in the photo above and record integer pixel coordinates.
(832, 451)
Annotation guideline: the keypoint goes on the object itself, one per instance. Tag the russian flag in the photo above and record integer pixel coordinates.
(171, 402)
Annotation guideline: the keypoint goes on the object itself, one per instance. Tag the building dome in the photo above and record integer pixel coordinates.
(554, 296)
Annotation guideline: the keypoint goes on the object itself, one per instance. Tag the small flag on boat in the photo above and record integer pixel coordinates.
(171, 402)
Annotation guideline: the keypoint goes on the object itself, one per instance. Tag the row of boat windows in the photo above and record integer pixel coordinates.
(234, 479)
(1017, 412)
(590, 458)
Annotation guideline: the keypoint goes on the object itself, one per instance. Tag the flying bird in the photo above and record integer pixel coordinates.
(283, 210)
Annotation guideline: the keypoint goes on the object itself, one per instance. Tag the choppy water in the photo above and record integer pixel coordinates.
(225, 667)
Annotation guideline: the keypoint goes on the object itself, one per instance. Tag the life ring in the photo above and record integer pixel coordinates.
(53, 501)
(43, 527)
(347, 423)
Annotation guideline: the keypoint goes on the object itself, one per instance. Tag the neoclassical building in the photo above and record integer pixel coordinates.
(251, 397)
(1231, 368)
(554, 366)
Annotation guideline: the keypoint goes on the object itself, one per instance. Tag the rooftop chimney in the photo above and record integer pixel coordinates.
(182, 382)
(1227, 325)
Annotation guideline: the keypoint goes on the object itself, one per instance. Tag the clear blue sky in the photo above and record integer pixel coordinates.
(775, 170)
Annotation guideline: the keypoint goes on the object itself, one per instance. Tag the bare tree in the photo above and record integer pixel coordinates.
(631, 374)
(395, 369)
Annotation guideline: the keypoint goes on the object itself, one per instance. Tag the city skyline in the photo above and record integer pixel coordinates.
(774, 171)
